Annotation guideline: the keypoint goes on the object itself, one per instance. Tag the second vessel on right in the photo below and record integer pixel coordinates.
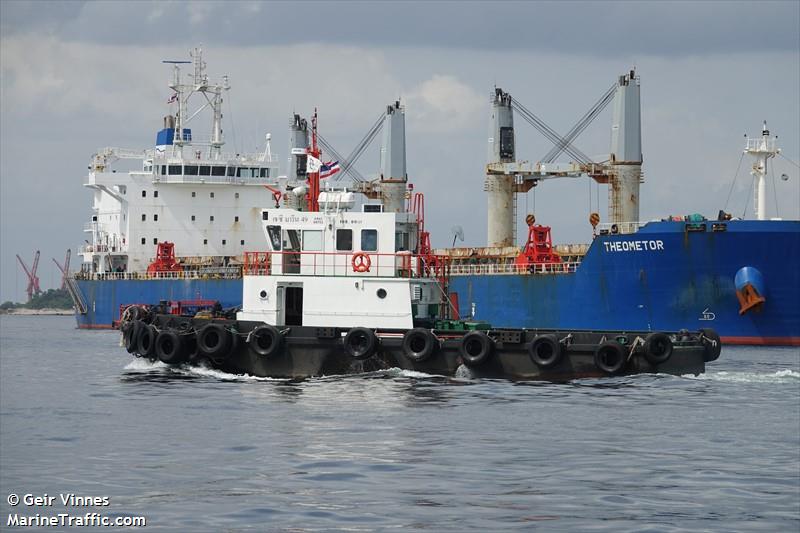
(741, 277)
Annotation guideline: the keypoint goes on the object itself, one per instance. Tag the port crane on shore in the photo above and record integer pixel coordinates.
(63, 268)
(33, 280)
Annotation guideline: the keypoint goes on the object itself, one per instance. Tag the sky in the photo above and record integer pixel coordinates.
(79, 76)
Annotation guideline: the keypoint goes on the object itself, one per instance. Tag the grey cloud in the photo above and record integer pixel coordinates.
(595, 28)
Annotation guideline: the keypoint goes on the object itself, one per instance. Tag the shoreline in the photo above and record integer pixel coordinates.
(38, 312)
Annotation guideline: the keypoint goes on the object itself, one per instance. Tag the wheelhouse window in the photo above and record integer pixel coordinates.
(205, 170)
(217, 171)
(175, 170)
(231, 171)
(291, 240)
(312, 240)
(264, 172)
(369, 240)
(344, 240)
(190, 170)
(274, 233)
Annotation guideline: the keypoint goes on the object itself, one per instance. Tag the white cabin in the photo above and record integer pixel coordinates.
(339, 269)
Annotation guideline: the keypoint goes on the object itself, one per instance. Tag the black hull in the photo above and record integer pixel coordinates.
(302, 351)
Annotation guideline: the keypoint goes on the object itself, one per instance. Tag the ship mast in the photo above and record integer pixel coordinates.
(761, 149)
(312, 197)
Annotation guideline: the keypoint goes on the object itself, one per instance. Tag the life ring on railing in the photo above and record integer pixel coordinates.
(361, 262)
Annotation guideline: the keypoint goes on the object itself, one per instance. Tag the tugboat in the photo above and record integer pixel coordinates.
(339, 291)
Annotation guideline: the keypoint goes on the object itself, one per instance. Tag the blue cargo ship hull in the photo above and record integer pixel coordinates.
(104, 298)
(664, 277)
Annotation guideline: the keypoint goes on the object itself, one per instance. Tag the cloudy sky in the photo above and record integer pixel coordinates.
(78, 76)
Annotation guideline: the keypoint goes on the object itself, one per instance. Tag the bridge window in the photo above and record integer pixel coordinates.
(264, 172)
(211, 218)
(291, 240)
(163, 170)
(344, 240)
(190, 170)
(236, 219)
(312, 240)
(205, 241)
(223, 242)
(211, 195)
(155, 194)
(231, 171)
(144, 194)
(274, 233)
(155, 240)
(174, 170)
(241, 242)
(217, 171)
(155, 218)
(144, 217)
(192, 218)
(205, 170)
(369, 240)
(236, 195)
(144, 241)
(194, 194)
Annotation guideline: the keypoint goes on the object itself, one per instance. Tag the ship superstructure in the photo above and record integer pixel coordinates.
(187, 191)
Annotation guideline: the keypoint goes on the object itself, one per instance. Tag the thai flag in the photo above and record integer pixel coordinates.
(329, 169)
(173, 98)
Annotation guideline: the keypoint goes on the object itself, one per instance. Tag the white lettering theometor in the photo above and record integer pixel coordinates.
(634, 246)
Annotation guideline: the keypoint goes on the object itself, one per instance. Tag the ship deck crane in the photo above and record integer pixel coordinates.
(33, 280)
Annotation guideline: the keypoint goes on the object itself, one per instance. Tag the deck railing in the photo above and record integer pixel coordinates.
(348, 264)
(232, 272)
(499, 268)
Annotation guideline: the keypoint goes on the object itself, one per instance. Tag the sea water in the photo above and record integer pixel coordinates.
(193, 449)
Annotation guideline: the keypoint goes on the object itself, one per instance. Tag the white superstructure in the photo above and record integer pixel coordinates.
(337, 268)
(761, 149)
(187, 191)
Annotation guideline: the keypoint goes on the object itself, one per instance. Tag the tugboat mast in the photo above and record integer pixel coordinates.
(761, 149)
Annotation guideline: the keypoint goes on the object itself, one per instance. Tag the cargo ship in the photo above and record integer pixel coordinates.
(176, 228)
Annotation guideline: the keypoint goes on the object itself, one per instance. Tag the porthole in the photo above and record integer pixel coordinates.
(263, 294)
(381, 293)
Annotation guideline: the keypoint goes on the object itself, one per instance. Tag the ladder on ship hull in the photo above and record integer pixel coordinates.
(77, 297)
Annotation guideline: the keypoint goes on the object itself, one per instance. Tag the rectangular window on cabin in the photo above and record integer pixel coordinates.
(205, 241)
(217, 171)
(155, 218)
(155, 194)
(369, 240)
(264, 172)
(190, 170)
(163, 170)
(192, 218)
(291, 240)
(205, 170)
(400, 241)
(194, 194)
(240, 171)
(231, 171)
(144, 217)
(344, 240)
(144, 241)
(312, 240)
(236, 195)
(155, 240)
(223, 242)
(144, 194)
(211, 195)
(506, 142)
(236, 219)
(241, 242)
(211, 218)
(175, 170)
(274, 233)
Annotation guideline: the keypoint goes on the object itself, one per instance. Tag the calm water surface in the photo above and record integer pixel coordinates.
(198, 450)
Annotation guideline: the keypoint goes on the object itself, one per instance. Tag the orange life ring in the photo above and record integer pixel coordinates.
(361, 262)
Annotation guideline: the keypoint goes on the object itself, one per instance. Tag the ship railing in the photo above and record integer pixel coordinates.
(233, 272)
(759, 144)
(216, 180)
(499, 268)
(345, 264)
(614, 228)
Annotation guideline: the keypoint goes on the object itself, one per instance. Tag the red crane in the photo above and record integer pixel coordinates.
(64, 269)
(33, 280)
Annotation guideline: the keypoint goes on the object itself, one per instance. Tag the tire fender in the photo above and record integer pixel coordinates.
(610, 357)
(545, 351)
(265, 340)
(657, 348)
(360, 343)
(476, 348)
(419, 344)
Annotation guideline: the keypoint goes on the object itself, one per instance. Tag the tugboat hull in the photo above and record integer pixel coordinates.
(255, 348)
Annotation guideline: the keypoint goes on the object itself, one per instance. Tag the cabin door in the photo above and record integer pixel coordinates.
(293, 305)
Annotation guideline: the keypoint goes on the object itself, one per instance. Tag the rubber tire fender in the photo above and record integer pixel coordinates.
(170, 348)
(360, 343)
(214, 341)
(545, 351)
(657, 348)
(411, 344)
(610, 357)
(712, 344)
(146, 341)
(265, 332)
(474, 339)
(130, 334)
